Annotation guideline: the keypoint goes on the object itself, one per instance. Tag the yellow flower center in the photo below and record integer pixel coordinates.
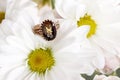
(2, 16)
(87, 20)
(40, 60)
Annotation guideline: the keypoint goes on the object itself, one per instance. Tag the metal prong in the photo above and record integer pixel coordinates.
(57, 25)
(37, 29)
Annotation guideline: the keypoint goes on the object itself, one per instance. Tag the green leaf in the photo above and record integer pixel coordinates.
(53, 4)
(87, 77)
(118, 72)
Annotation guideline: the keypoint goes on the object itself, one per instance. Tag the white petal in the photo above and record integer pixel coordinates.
(50, 75)
(8, 73)
(3, 4)
(105, 45)
(109, 9)
(80, 11)
(68, 9)
(28, 40)
(37, 77)
(5, 27)
(101, 77)
(63, 43)
(40, 42)
(16, 44)
(78, 78)
(59, 8)
(107, 37)
(66, 26)
(31, 76)
(15, 74)
(2, 36)
(25, 74)
(25, 20)
(11, 60)
(106, 32)
(46, 13)
(58, 74)
(99, 61)
(76, 35)
(14, 8)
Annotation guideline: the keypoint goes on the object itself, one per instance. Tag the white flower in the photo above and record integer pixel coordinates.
(25, 55)
(102, 19)
(4, 24)
(47, 13)
(103, 77)
(70, 9)
(10, 11)
(3, 5)
(111, 65)
(28, 56)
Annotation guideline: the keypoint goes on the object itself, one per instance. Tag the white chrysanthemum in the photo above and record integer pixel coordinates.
(10, 11)
(102, 19)
(28, 56)
(4, 23)
(103, 77)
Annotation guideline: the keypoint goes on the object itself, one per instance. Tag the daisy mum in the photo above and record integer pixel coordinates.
(10, 10)
(26, 55)
(3, 22)
(29, 57)
(101, 18)
(103, 77)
